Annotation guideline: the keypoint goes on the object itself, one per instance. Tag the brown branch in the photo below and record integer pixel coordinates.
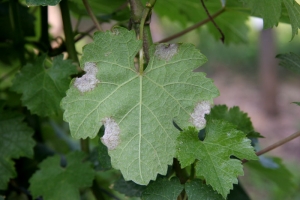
(213, 21)
(275, 145)
(201, 23)
(89, 10)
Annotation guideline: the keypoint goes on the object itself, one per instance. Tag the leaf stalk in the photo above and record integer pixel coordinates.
(91, 14)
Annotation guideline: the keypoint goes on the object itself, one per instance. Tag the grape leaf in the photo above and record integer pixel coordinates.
(290, 61)
(163, 188)
(235, 116)
(15, 142)
(297, 103)
(232, 23)
(42, 2)
(222, 141)
(137, 110)
(279, 175)
(129, 188)
(271, 12)
(75, 175)
(42, 87)
(197, 190)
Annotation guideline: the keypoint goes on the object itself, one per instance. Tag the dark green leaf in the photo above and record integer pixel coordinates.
(42, 2)
(222, 141)
(42, 87)
(15, 142)
(53, 181)
(129, 188)
(278, 174)
(26, 22)
(197, 190)
(238, 193)
(163, 189)
(235, 116)
(290, 61)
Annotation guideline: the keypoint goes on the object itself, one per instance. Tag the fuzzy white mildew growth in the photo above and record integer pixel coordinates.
(198, 116)
(111, 133)
(166, 51)
(88, 81)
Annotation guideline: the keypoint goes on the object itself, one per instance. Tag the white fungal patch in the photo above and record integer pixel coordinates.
(111, 133)
(166, 51)
(198, 116)
(88, 81)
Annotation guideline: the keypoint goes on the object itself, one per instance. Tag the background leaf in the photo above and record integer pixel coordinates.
(43, 88)
(140, 125)
(42, 2)
(163, 189)
(222, 141)
(15, 142)
(129, 188)
(196, 190)
(290, 61)
(75, 175)
(234, 116)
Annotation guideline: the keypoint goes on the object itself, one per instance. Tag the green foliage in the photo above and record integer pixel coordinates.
(129, 99)
(15, 142)
(290, 61)
(58, 181)
(42, 87)
(213, 154)
(146, 144)
(277, 173)
(196, 189)
(163, 189)
(234, 116)
(42, 2)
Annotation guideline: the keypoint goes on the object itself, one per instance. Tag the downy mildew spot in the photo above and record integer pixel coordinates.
(166, 51)
(111, 133)
(198, 116)
(88, 81)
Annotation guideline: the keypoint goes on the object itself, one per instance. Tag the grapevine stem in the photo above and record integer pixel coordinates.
(89, 10)
(275, 145)
(146, 11)
(69, 36)
(201, 23)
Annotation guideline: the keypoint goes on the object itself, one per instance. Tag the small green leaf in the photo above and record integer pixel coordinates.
(129, 188)
(290, 61)
(42, 2)
(163, 189)
(222, 141)
(235, 116)
(293, 9)
(42, 87)
(136, 109)
(297, 103)
(15, 142)
(54, 182)
(196, 190)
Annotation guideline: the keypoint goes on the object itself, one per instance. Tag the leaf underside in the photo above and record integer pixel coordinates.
(136, 109)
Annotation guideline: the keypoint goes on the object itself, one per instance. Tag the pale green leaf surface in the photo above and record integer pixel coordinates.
(43, 88)
(290, 61)
(163, 189)
(222, 141)
(278, 175)
(60, 182)
(42, 2)
(141, 107)
(15, 142)
(196, 190)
